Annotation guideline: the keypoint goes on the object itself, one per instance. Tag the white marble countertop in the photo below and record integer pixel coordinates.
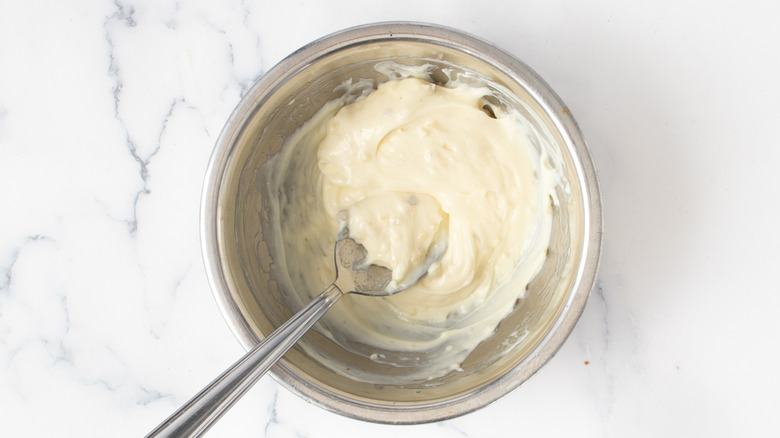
(108, 114)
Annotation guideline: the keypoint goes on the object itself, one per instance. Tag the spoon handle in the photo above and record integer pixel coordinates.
(202, 411)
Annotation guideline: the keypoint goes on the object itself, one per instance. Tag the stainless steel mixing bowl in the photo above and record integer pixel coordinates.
(239, 261)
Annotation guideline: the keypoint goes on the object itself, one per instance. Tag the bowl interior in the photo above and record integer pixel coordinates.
(246, 257)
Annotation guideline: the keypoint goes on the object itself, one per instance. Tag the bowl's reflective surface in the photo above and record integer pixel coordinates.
(236, 234)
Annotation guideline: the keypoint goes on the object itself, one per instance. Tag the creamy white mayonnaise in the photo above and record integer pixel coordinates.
(410, 163)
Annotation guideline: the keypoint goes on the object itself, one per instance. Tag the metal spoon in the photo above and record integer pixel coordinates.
(353, 275)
